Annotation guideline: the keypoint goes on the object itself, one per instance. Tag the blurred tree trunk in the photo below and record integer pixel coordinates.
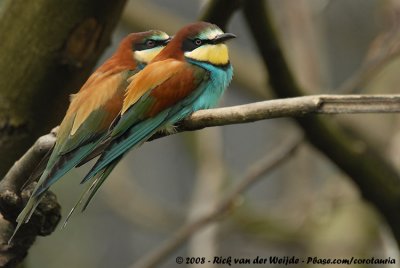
(48, 49)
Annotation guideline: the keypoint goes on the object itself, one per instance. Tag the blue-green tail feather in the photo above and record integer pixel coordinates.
(92, 189)
(135, 136)
(57, 167)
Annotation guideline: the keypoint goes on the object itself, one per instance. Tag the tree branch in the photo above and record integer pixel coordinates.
(22, 169)
(293, 107)
(290, 107)
(299, 106)
(224, 206)
(377, 179)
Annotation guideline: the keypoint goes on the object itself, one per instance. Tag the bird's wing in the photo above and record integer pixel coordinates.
(159, 86)
(161, 91)
(87, 120)
(91, 111)
(152, 77)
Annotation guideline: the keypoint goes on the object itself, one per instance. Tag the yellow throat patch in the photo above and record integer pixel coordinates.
(214, 54)
(147, 55)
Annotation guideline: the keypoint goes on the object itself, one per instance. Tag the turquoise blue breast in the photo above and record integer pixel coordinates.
(220, 77)
(207, 95)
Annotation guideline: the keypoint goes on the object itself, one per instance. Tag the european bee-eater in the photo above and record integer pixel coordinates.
(190, 73)
(93, 109)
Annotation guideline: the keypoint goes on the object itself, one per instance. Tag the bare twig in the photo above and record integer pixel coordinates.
(265, 165)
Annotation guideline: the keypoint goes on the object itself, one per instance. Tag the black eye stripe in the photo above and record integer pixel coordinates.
(144, 46)
(191, 44)
(159, 42)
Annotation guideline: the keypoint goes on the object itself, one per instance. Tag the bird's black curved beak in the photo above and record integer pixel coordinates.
(166, 41)
(223, 38)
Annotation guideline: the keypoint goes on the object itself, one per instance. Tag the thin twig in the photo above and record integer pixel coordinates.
(265, 165)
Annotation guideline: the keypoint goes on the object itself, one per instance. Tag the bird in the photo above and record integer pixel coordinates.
(191, 73)
(93, 109)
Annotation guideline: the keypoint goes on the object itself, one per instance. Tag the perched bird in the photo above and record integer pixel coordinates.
(93, 109)
(190, 73)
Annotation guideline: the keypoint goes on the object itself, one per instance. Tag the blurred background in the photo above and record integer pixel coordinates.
(305, 207)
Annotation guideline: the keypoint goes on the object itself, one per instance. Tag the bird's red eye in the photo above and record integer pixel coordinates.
(150, 43)
(198, 42)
